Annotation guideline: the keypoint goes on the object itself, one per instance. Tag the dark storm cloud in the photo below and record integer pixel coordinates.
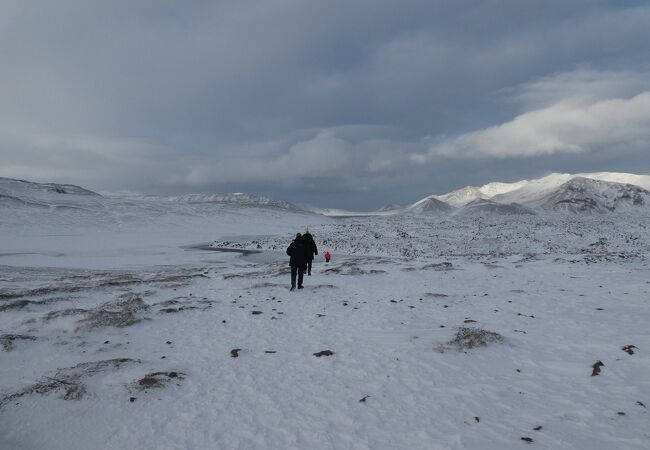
(374, 101)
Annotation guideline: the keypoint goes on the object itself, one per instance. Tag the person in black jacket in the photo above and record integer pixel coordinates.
(311, 249)
(297, 252)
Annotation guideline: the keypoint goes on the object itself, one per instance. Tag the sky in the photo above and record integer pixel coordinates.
(338, 103)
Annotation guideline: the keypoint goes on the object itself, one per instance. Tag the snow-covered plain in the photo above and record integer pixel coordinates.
(123, 325)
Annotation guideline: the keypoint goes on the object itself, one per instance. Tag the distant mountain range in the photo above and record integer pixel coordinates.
(579, 193)
(585, 193)
(582, 193)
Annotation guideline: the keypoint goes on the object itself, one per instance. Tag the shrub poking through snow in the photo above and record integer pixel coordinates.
(468, 338)
(157, 379)
(69, 380)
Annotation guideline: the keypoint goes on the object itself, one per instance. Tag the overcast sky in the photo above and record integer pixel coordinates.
(353, 104)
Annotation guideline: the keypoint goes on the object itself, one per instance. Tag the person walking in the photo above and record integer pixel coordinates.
(311, 249)
(297, 252)
(328, 256)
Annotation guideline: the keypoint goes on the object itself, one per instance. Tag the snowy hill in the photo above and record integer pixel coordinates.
(429, 206)
(20, 193)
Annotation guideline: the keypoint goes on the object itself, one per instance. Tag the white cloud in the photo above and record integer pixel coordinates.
(565, 127)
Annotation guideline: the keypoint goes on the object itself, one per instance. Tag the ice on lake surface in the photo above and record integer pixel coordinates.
(450, 333)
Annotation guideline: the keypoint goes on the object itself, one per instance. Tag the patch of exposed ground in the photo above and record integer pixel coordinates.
(157, 380)
(7, 340)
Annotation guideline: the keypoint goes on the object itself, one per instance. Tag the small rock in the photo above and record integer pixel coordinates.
(168, 342)
(131, 399)
(477, 418)
(363, 400)
(629, 349)
(537, 428)
(323, 353)
(235, 352)
(255, 313)
(640, 404)
(596, 366)
(527, 439)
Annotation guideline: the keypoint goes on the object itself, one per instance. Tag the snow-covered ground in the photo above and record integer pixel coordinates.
(123, 326)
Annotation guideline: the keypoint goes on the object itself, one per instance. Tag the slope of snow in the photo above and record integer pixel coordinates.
(615, 177)
(483, 207)
(532, 190)
(468, 194)
(429, 206)
(462, 196)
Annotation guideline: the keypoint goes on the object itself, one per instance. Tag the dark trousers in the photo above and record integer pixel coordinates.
(297, 271)
(309, 266)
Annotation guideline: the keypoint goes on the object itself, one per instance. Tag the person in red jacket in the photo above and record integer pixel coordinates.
(327, 256)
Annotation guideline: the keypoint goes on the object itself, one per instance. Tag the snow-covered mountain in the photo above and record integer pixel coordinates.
(27, 193)
(530, 190)
(585, 195)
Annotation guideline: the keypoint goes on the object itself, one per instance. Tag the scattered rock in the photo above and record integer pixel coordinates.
(477, 419)
(538, 428)
(323, 353)
(132, 399)
(640, 404)
(596, 366)
(235, 352)
(629, 349)
(621, 413)
(255, 313)
(363, 400)
(527, 439)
